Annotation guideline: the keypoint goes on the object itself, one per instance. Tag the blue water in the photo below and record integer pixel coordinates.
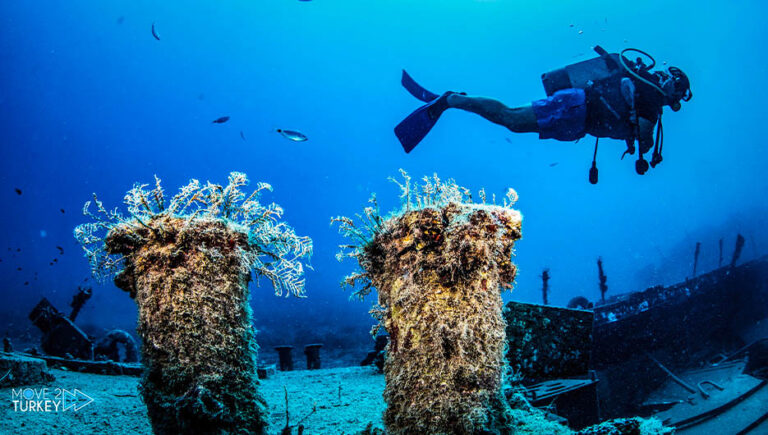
(91, 102)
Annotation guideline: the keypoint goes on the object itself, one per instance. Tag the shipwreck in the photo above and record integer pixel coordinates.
(694, 354)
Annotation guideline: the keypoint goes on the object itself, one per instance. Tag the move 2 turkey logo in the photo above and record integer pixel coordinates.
(49, 400)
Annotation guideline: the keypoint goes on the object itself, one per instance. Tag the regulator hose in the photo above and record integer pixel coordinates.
(636, 75)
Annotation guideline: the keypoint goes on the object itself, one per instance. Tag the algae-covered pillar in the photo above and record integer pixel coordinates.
(439, 266)
(187, 263)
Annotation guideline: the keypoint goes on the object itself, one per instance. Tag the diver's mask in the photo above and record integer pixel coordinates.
(676, 87)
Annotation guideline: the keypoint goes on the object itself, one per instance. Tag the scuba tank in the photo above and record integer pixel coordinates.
(580, 74)
(611, 110)
(607, 114)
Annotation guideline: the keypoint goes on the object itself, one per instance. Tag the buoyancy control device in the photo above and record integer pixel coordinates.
(610, 99)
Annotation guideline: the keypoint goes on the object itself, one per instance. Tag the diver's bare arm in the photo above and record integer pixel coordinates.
(518, 119)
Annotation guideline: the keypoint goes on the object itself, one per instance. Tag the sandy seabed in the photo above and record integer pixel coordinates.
(345, 400)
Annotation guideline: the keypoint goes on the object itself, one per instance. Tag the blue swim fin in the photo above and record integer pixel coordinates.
(415, 126)
(415, 89)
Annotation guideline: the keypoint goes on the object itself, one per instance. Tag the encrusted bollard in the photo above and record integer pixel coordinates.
(312, 352)
(286, 357)
(187, 263)
(439, 267)
(440, 281)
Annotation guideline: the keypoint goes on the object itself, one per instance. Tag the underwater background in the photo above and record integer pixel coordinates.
(91, 102)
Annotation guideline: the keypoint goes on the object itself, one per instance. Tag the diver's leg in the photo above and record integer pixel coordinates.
(518, 119)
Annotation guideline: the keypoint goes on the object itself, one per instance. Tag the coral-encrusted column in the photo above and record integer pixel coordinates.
(190, 282)
(439, 273)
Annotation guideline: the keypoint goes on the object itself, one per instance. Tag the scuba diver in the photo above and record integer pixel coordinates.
(608, 96)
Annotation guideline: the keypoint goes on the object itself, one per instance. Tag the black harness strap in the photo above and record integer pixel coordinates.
(658, 148)
(594, 156)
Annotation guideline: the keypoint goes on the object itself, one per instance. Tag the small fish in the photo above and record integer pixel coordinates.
(221, 120)
(61, 210)
(18, 249)
(61, 250)
(120, 19)
(242, 136)
(18, 191)
(55, 260)
(154, 32)
(26, 282)
(508, 140)
(552, 165)
(19, 269)
(293, 135)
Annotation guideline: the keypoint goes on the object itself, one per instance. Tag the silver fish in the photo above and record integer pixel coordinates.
(293, 135)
